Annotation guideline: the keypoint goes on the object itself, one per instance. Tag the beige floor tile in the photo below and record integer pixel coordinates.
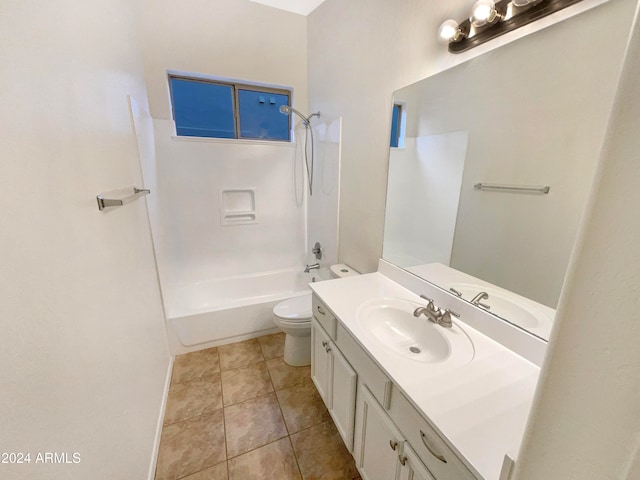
(191, 446)
(195, 365)
(272, 345)
(302, 407)
(252, 424)
(284, 375)
(192, 398)
(240, 354)
(217, 472)
(322, 454)
(241, 384)
(273, 461)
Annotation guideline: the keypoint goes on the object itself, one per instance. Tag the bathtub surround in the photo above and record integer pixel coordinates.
(83, 355)
(193, 244)
(238, 412)
(230, 211)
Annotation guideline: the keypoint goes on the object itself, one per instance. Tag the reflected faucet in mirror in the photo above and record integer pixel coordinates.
(477, 300)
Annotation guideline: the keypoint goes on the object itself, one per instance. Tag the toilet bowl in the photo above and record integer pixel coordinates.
(293, 317)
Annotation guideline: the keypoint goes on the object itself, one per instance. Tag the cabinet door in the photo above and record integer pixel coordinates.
(343, 396)
(411, 467)
(377, 440)
(321, 361)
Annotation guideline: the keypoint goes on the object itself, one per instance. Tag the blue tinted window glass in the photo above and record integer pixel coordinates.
(202, 109)
(395, 125)
(260, 115)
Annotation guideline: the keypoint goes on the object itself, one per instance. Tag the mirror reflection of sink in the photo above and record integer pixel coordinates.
(390, 322)
(506, 305)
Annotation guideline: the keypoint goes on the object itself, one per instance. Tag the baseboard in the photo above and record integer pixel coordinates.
(163, 407)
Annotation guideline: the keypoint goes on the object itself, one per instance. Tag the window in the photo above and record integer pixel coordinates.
(209, 108)
(396, 126)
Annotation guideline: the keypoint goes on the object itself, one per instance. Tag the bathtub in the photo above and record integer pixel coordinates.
(225, 310)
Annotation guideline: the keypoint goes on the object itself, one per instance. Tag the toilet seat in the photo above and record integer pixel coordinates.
(294, 310)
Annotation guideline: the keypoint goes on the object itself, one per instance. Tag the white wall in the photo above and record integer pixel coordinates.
(83, 356)
(359, 53)
(228, 38)
(585, 422)
(235, 40)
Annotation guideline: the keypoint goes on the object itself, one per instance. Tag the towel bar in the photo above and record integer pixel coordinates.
(104, 202)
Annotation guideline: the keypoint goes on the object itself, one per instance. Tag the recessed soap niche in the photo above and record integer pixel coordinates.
(238, 206)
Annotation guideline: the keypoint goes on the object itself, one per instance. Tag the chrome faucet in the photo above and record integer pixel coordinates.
(435, 314)
(308, 268)
(477, 300)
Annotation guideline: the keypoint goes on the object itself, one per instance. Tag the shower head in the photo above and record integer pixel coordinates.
(288, 110)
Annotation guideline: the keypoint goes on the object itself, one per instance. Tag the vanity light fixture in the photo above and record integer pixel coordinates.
(484, 12)
(490, 19)
(450, 31)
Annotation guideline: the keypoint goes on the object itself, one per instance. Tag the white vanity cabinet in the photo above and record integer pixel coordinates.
(411, 468)
(335, 380)
(389, 438)
(377, 440)
(380, 450)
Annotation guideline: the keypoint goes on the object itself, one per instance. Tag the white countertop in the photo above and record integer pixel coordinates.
(479, 408)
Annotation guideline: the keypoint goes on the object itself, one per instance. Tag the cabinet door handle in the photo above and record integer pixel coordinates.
(324, 344)
(393, 444)
(320, 310)
(402, 459)
(327, 349)
(424, 441)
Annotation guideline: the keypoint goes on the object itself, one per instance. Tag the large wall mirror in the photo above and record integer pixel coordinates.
(530, 114)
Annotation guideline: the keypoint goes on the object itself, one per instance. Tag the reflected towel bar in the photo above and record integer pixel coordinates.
(543, 189)
(117, 202)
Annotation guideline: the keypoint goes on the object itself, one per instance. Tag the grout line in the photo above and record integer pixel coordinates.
(295, 457)
(257, 448)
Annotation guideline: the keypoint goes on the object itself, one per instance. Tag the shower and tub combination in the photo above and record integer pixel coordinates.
(219, 309)
(206, 303)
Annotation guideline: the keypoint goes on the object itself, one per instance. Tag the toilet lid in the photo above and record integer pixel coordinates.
(295, 308)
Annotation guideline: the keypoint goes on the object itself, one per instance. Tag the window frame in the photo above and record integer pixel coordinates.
(235, 87)
(401, 124)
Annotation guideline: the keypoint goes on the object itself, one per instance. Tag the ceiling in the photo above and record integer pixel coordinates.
(301, 7)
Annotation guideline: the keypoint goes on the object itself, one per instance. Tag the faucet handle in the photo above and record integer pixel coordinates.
(426, 298)
(451, 312)
(430, 305)
(445, 319)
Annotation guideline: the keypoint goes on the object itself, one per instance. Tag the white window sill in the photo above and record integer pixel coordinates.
(233, 141)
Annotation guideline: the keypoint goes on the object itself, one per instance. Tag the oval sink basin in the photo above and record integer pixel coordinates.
(390, 322)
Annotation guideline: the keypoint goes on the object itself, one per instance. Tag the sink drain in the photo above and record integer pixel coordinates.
(414, 349)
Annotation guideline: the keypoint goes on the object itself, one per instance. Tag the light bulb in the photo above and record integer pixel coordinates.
(484, 11)
(450, 31)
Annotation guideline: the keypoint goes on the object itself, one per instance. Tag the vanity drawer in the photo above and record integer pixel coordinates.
(369, 373)
(324, 317)
(441, 461)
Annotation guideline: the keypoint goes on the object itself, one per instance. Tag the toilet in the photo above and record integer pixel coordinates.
(293, 317)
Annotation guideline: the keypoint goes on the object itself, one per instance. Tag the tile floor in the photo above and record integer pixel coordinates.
(238, 412)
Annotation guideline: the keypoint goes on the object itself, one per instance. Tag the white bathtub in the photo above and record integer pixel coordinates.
(224, 310)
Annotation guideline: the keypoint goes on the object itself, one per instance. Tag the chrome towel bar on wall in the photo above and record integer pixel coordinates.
(542, 189)
(117, 198)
